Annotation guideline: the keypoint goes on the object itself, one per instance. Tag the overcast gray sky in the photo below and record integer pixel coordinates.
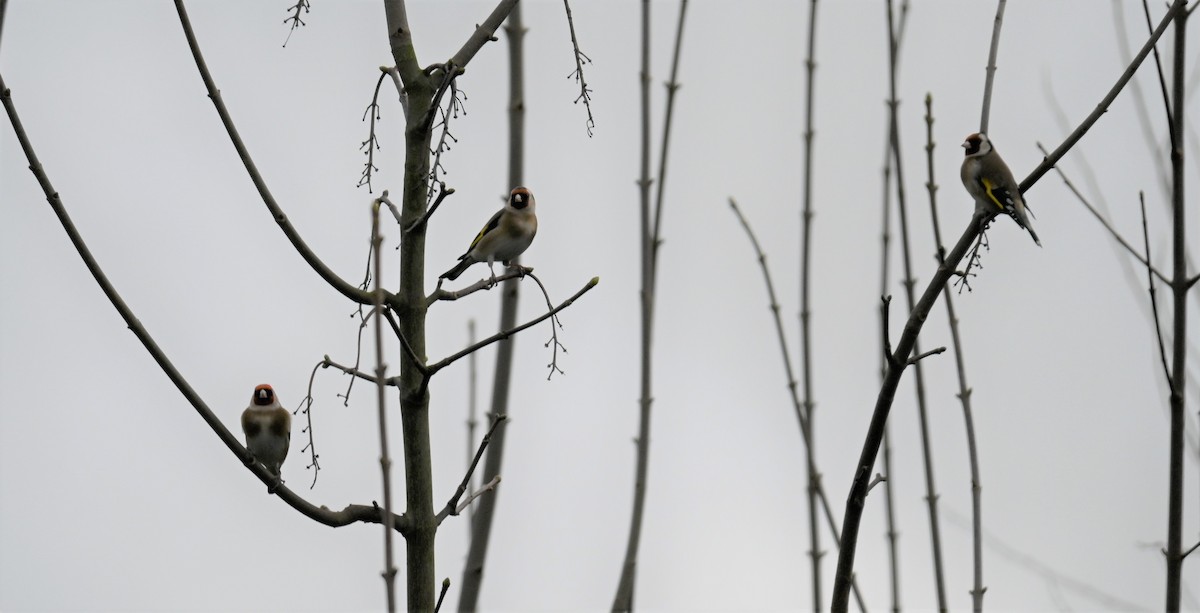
(115, 496)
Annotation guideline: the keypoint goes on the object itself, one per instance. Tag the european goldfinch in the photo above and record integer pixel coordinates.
(990, 182)
(268, 428)
(505, 236)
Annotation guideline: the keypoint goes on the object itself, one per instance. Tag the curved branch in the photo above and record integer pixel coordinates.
(351, 514)
(341, 285)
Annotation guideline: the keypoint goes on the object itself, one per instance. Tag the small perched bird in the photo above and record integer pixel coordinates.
(990, 182)
(505, 236)
(268, 428)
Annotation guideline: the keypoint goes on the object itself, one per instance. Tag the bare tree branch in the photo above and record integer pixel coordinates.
(991, 67)
(650, 241)
(485, 488)
(306, 408)
(935, 531)
(351, 514)
(385, 458)
(295, 18)
(1162, 80)
(1162, 350)
(809, 406)
(452, 507)
(585, 92)
(442, 192)
(857, 498)
(371, 145)
(346, 289)
(442, 595)
(964, 390)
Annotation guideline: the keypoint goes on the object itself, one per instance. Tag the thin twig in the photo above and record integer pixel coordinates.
(991, 67)
(349, 515)
(401, 93)
(585, 92)
(442, 192)
(415, 361)
(371, 145)
(887, 335)
(453, 107)
(385, 459)
(358, 340)
(809, 405)
(295, 18)
(395, 210)
(879, 478)
(555, 325)
(1162, 79)
(485, 488)
(647, 234)
(1162, 350)
(442, 595)
(472, 393)
(306, 408)
(352, 371)
(964, 390)
(451, 507)
(935, 532)
(918, 358)
(672, 86)
(650, 234)
(885, 252)
(1190, 550)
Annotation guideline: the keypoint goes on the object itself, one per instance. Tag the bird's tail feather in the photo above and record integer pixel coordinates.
(458, 269)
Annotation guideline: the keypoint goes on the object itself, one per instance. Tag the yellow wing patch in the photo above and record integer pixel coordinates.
(987, 188)
(491, 225)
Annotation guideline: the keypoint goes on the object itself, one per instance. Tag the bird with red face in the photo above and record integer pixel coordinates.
(504, 237)
(990, 182)
(268, 428)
